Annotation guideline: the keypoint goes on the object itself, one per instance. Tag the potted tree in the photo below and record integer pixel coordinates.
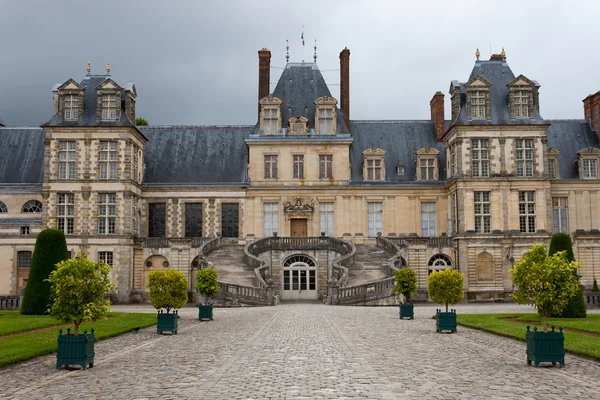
(168, 291)
(207, 286)
(445, 287)
(548, 282)
(79, 291)
(406, 284)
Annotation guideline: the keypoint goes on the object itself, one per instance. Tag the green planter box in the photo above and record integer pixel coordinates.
(167, 322)
(205, 312)
(545, 346)
(75, 350)
(407, 311)
(445, 321)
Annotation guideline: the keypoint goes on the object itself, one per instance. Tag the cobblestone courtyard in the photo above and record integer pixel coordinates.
(307, 351)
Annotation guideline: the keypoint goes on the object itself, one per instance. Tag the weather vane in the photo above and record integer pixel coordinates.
(287, 51)
(315, 54)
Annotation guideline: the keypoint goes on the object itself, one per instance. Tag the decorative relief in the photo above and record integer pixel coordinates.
(298, 125)
(299, 206)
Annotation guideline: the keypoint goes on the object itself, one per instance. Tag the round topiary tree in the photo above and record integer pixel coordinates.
(576, 306)
(406, 283)
(207, 284)
(79, 291)
(545, 281)
(50, 249)
(446, 286)
(168, 289)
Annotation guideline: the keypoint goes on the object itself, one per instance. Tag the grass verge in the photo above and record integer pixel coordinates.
(14, 322)
(23, 347)
(577, 343)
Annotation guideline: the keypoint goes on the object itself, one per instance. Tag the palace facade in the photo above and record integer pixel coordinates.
(471, 192)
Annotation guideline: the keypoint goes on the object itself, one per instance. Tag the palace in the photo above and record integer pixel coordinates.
(293, 206)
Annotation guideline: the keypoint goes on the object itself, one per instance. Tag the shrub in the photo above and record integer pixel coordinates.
(168, 289)
(562, 242)
(576, 306)
(141, 121)
(595, 288)
(79, 290)
(207, 284)
(546, 281)
(50, 249)
(406, 282)
(446, 286)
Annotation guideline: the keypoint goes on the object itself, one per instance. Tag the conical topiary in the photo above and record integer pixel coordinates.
(50, 249)
(576, 306)
(595, 287)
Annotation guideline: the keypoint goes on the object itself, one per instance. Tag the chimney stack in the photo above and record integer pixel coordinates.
(437, 114)
(264, 74)
(591, 110)
(345, 85)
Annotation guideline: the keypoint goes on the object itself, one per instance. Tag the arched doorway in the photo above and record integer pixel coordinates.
(299, 278)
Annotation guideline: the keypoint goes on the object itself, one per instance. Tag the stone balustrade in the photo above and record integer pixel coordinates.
(10, 302)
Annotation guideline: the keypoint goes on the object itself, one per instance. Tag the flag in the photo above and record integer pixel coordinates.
(302, 36)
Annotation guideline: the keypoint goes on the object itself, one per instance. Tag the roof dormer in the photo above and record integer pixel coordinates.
(70, 101)
(325, 115)
(298, 125)
(478, 98)
(522, 97)
(108, 107)
(270, 115)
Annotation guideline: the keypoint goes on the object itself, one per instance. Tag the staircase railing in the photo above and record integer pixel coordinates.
(167, 242)
(437, 242)
(236, 294)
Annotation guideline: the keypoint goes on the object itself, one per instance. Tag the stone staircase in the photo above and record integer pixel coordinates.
(229, 263)
(369, 266)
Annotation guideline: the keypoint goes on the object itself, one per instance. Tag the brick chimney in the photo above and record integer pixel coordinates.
(264, 74)
(591, 110)
(345, 85)
(437, 114)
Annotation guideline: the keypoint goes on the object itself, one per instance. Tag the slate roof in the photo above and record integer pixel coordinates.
(21, 155)
(196, 155)
(400, 140)
(90, 99)
(569, 136)
(499, 74)
(298, 87)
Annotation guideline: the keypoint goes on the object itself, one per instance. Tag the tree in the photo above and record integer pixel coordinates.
(206, 283)
(141, 121)
(168, 289)
(576, 306)
(595, 287)
(80, 289)
(50, 249)
(446, 286)
(406, 282)
(546, 281)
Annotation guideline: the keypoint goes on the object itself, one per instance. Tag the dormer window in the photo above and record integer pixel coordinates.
(71, 107)
(298, 125)
(109, 107)
(69, 101)
(521, 104)
(400, 170)
(373, 165)
(552, 164)
(588, 163)
(478, 104)
(478, 98)
(427, 164)
(522, 94)
(590, 170)
(270, 116)
(325, 123)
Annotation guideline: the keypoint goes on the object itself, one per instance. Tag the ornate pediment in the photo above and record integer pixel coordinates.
(428, 151)
(374, 151)
(478, 82)
(298, 125)
(299, 206)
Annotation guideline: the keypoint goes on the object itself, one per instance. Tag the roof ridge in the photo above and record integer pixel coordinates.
(20, 127)
(391, 121)
(194, 126)
(566, 120)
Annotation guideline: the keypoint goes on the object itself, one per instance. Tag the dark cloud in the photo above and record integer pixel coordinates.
(195, 62)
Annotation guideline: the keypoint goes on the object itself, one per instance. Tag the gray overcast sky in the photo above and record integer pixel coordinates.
(195, 62)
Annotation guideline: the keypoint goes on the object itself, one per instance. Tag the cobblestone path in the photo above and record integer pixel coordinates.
(307, 351)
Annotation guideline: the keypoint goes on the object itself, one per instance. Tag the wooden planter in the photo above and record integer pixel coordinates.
(545, 346)
(75, 350)
(205, 312)
(167, 322)
(445, 321)
(407, 311)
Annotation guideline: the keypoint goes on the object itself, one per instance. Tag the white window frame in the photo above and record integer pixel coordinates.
(482, 211)
(524, 157)
(71, 104)
(478, 104)
(326, 219)
(552, 170)
(428, 219)
(590, 169)
(521, 103)
(270, 219)
(374, 169)
(67, 159)
(107, 213)
(109, 156)
(560, 214)
(65, 213)
(427, 169)
(480, 158)
(374, 218)
(109, 107)
(527, 211)
(270, 121)
(271, 166)
(326, 116)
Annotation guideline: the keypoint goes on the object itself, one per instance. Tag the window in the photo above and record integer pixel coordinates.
(552, 168)
(326, 121)
(375, 219)
(230, 220)
(559, 215)
(193, 220)
(326, 218)
(32, 206)
(107, 213)
(439, 262)
(524, 157)
(478, 106)
(24, 230)
(325, 113)
(156, 219)
(71, 107)
(66, 213)
(482, 212)
(374, 170)
(109, 107)
(400, 170)
(3, 208)
(106, 256)
(589, 169)
(485, 267)
(270, 167)
(374, 164)
(108, 160)
(270, 121)
(135, 166)
(427, 167)
(527, 212)
(521, 104)
(271, 218)
(427, 219)
(67, 160)
(453, 170)
(480, 157)
(23, 259)
(298, 166)
(325, 166)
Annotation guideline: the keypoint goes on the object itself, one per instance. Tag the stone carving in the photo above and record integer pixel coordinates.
(299, 206)
(298, 125)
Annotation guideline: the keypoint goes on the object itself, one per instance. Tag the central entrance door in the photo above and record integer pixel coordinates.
(299, 227)
(299, 278)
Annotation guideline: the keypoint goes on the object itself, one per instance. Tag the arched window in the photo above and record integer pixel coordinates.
(299, 258)
(3, 208)
(32, 206)
(485, 267)
(439, 262)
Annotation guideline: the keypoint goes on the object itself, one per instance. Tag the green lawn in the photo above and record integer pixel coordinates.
(574, 342)
(14, 322)
(23, 347)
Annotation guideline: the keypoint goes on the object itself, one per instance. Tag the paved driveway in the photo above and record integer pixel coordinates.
(308, 351)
